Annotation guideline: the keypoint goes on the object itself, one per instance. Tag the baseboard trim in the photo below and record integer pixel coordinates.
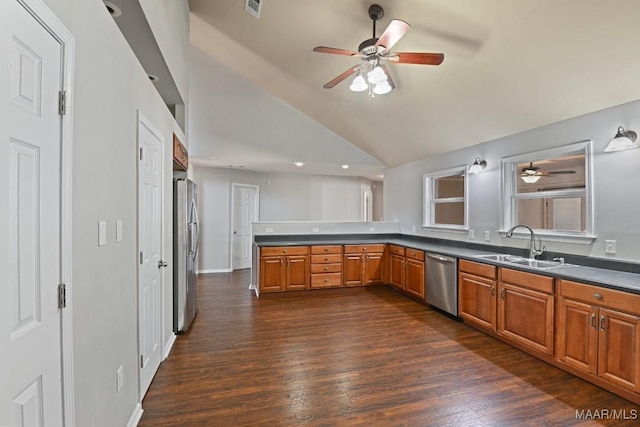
(215, 270)
(136, 416)
(169, 345)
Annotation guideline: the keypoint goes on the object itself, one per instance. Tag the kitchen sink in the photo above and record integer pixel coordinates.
(527, 262)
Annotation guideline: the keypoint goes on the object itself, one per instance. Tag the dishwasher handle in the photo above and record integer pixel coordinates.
(441, 258)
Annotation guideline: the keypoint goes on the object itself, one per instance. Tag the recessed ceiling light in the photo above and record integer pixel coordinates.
(345, 166)
(114, 10)
(299, 164)
(212, 158)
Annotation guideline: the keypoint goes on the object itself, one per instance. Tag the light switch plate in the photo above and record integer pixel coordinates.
(487, 236)
(102, 233)
(315, 230)
(610, 247)
(119, 231)
(470, 235)
(268, 230)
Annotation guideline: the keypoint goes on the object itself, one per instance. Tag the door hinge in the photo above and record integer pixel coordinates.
(141, 257)
(62, 102)
(141, 153)
(62, 295)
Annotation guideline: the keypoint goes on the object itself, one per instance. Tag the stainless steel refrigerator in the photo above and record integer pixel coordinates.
(185, 253)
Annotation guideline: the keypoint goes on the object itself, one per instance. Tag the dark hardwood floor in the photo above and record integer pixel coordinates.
(354, 357)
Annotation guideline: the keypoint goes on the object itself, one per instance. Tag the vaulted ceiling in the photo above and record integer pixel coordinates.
(509, 65)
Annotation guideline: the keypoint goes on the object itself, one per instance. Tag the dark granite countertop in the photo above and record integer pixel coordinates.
(621, 276)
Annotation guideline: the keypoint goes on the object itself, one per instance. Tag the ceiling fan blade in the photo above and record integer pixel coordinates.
(560, 172)
(393, 33)
(417, 58)
(341, 77)
(334, 50)
(389, 79)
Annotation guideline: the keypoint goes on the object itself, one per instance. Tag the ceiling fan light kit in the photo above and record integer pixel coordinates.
(624, 140)
(372, 51)
(531, 174)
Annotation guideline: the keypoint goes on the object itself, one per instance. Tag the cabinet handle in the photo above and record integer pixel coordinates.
(602, 323)
(280, 261)
(597, 296)
(493, 290)
(326, 259)
(326, 280)
(326, 268)
(325, 249)
(593, 321)
(502, 293)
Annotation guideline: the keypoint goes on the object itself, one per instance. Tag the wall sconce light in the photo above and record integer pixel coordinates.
(478, 165)
(624, 140)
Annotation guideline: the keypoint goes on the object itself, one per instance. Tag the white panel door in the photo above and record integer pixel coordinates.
(30, 188)
(150, 246)
(245, 211)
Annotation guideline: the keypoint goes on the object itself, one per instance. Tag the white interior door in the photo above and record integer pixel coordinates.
(30, 227)
(245, 211)
(150, 246)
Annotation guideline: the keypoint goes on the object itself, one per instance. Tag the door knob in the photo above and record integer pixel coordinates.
(162, 264)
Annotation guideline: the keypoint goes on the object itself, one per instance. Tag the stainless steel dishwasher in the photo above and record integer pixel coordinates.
(442, 282)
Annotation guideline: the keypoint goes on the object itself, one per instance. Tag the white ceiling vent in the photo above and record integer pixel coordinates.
(253, 7)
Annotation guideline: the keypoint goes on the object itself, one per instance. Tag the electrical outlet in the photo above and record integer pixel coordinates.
(119, 379)
(470, 235)
(372, 229)
(487, 236)
(102, 233)
(315, 230)
(610, 247)
(119, 231)
(268, 230)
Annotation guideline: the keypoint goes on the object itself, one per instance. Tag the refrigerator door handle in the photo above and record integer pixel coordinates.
(194, 230)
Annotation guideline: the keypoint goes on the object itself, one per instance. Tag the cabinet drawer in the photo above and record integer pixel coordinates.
(352, 249)
(414, 254)
(326, 259)
(326, 249)
(477, 268)
(396, 250)
(528, 280)
(603, 297)
(284, 250)
(326, 280)
(326, 268)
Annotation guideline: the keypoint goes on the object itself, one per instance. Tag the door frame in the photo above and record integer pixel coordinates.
(256, 211)
(143, 119)
(41, 12)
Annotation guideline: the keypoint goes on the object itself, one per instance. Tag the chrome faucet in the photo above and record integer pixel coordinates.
(533, 252)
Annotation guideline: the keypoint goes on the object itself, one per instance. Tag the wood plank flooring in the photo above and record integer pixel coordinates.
(354, 357)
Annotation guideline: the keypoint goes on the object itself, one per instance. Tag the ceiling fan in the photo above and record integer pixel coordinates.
(531, 174)
(372, 51)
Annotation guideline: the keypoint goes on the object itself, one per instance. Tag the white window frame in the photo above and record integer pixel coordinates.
(509, 183)
(429, 202)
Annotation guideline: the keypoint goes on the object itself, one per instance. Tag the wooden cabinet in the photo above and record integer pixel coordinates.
(284, 268)
(599, 332)
(326, 266)
(180, 155)
(362, 264)
(477, 284)
(406, 270)
(526, 309)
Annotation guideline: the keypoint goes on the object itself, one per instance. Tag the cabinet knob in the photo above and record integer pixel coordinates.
(325, 249)
(326, 280)
(326, 268)
(414, 254)
(284, 251)
(326, 259)
(597, 296)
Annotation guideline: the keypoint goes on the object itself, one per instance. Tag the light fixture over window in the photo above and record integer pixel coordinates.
(478, 165)
(624, 140)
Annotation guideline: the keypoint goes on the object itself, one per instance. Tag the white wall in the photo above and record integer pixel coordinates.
(283, 197)
(110, 86)
(169, 22)
(616, 193)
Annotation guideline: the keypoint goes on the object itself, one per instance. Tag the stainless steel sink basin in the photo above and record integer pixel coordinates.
(527, 262)
(536, 263)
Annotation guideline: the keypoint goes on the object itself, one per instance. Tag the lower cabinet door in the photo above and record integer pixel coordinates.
(272, 274)
(297, 272)
(526, 316)
(414, 279)
(396, 270)
(477, 300)
(577, 335)
(373, 268)
(353, 270)
(619, 348)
